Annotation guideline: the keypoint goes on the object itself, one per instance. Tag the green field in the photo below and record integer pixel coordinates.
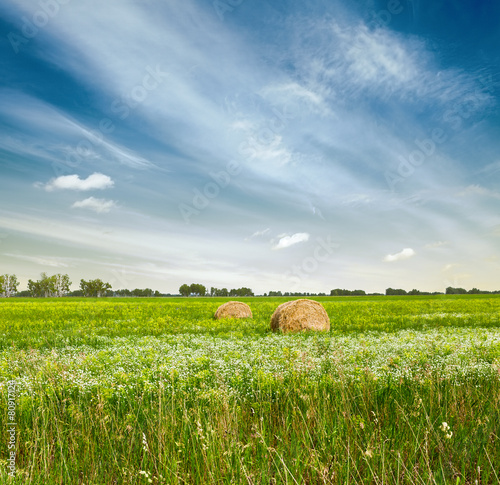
(135, 391)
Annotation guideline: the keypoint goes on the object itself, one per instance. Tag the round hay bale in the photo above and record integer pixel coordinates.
(233, 309)
(299, 315)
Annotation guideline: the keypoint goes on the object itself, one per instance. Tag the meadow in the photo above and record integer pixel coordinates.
(402, 390)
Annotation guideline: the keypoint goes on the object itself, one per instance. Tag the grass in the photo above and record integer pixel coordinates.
(155, 391)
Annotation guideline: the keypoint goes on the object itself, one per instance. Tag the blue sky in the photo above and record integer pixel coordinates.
(276, 145)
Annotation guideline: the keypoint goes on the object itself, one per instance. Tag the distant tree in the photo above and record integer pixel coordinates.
(147, 292)
(46, 286)
(34, 288)
(241, 292)
(8, 285)
(95, 288)
(391, 291)
(61, 284)
(341, 292)
(185, 290)
(455, 291)
(275, 293)
(197, 289)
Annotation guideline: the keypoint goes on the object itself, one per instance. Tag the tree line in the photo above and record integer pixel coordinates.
(59, 285)
(197, 289)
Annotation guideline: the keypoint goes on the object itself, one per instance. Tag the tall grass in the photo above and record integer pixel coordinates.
(289, 432)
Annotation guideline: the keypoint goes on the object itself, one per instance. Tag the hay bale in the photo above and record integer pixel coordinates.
(233, 309)
(299, 315)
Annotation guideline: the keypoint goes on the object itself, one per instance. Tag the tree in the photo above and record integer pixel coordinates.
(43, 288)
(197, 289)
(185, 290)
(8, 285)
(47, 285)
(241, 292)
(61, 284)
(340, 292)
(96, 288)
(34, 287)
(455, 291)
(139, 292)
(391, 291)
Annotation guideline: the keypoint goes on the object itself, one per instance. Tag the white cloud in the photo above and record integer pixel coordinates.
(96, 181)
(287, 241)
(404, 254)
(97, 205)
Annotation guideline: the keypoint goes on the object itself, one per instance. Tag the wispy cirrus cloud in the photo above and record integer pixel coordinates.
(41, 260)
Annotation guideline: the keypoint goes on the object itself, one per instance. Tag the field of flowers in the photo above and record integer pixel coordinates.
(111, 391)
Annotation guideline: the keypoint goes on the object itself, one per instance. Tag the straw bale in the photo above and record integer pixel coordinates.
(299, 315)
(233, 309)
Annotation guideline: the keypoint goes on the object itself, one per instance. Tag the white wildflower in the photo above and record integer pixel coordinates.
(145, 445)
